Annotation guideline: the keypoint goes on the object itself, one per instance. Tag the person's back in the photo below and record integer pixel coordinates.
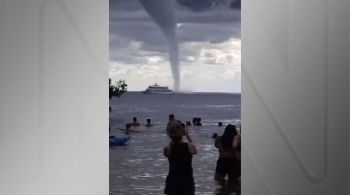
(180, 160)
(228, 162)
(223, 152)
(180, 176)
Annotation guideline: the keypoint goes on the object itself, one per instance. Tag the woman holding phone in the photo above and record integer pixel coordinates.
(179, 153)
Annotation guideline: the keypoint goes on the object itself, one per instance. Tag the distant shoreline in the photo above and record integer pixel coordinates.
(206, 93)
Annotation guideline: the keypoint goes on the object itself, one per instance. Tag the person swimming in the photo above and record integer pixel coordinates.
(148, 124)
(220, 124)
(134, 122)
(197, 121)
(129, 130)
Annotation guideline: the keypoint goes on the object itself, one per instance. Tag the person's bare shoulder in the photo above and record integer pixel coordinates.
(167, 151)
(192, 148)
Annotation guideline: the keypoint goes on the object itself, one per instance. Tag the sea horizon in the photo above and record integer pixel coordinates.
(195, 92)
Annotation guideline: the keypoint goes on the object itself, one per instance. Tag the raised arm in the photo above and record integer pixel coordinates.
(187, 135)
(191, 147)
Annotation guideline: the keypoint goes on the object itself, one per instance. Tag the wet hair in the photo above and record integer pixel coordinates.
(227, 138)
(148, 120)
(127, 126)
(220, 124)
(134, 119)
(175, 131)
(171, 116)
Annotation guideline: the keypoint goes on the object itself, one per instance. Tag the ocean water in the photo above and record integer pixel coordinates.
(139, 167)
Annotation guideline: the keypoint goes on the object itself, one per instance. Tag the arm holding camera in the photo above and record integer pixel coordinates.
(191, 147)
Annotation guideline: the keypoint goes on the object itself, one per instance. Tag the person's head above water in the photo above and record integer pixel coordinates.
(171, 117)
(194, 120)
(148, 120)
(229, 133)
(175, 131)
(134, 119)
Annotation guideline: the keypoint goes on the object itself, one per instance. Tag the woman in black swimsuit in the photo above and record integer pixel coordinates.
(180, 179)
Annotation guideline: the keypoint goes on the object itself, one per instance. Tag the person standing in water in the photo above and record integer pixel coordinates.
(229, 162)
(180, 179)
(171, 119)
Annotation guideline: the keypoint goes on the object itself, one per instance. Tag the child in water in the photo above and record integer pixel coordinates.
(179, 153)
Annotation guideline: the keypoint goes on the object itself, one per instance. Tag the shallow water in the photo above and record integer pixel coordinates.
(140, 167)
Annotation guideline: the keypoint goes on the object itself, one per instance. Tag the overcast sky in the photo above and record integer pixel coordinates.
(209, 45)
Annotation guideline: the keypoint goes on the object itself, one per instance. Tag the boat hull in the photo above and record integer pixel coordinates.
(158, 92)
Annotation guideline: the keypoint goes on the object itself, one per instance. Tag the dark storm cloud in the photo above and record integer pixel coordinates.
(129, 23)
(213, 15)
(194, 5)
(146, 32)
(201, 5)
(129, 5)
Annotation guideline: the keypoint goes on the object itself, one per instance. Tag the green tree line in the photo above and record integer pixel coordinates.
(117, 89)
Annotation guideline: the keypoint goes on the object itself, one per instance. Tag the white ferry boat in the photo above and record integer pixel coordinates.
(157, 89)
